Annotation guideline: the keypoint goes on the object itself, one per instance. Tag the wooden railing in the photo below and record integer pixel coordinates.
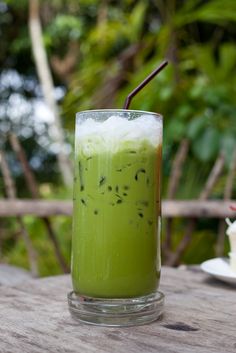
(170, 208)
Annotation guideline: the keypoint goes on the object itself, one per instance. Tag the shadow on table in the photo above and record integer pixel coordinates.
(214, 282)
(210, 281)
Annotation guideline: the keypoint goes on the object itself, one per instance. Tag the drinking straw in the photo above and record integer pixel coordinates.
(144, 83)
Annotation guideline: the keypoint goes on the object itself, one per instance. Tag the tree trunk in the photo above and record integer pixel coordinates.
(45, 78)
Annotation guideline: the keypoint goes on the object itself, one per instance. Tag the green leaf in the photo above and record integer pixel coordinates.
(196, 126)
(184, 111)
(65, 26)
(228, 144)
(214, 11)
(217, 11)
(205, 60)
(175, 130)
(197, 89)
(227, 59)
(207, 145)
(136, 19)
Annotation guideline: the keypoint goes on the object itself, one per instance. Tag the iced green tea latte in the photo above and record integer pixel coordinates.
(115, 245)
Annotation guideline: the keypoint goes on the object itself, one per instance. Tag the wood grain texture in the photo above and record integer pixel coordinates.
(11, 275)
(199, 317)
(193, 208)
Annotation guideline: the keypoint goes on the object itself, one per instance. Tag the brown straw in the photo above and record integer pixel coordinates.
(144, 83)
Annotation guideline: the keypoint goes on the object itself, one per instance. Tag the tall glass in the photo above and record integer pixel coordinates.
(116, 219)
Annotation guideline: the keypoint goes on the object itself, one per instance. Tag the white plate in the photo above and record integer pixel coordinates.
(219, 268)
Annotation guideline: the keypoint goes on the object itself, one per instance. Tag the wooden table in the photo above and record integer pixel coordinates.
(200, 316)
(11, 275)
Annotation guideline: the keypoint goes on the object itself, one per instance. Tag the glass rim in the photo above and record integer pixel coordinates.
(119, 111)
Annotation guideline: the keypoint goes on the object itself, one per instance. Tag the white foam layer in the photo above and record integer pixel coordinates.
(117, 133)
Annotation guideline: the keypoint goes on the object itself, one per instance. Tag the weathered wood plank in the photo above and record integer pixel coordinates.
(198, 209)
(199, 317)
(193, 208)
(11, 275)
(35, 207)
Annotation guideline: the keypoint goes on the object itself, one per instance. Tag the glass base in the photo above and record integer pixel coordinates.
(116, 312)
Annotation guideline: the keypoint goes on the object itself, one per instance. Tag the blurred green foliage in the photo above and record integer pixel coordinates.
(116, 44)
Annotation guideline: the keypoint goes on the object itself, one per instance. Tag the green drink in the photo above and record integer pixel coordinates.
(116, 248)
